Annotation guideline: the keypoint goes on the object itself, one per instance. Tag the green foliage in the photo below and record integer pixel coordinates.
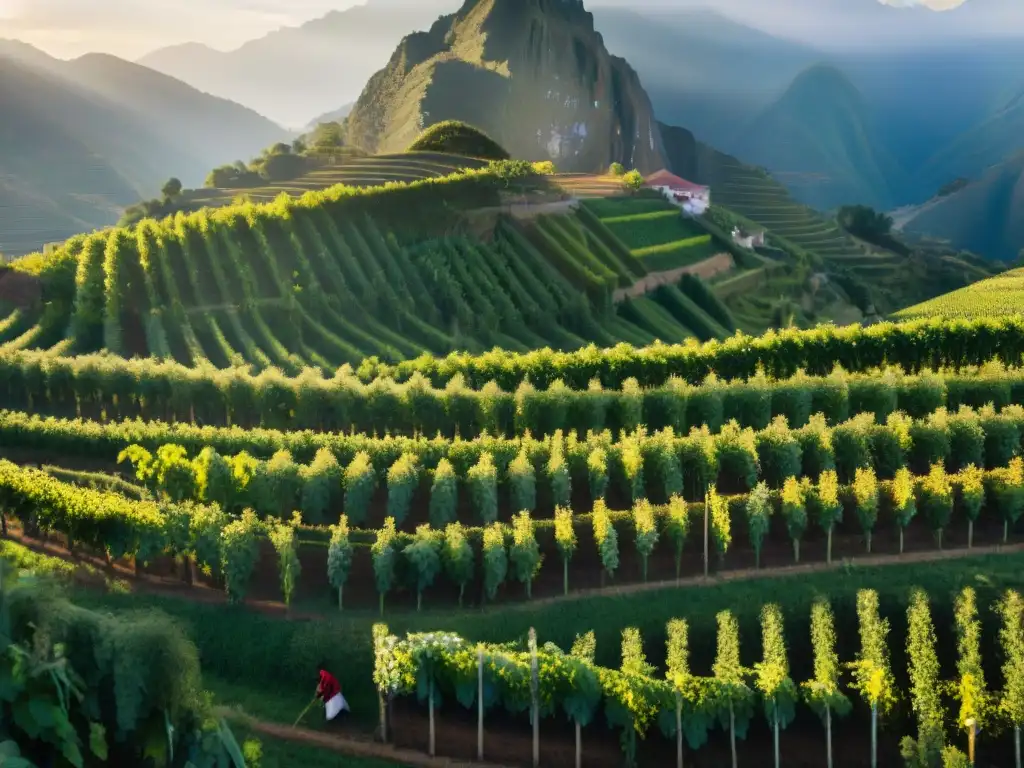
(677, 527)
(606, 538)
(924, 671)
(559, 477)
(633, 181)
(597, 473)
(937, 500)
(522, 483)
(321, 487)
(282, 536)
(495, 559)
(423, 554)
(720, 521)
(403, 480)
(794, 510)
(646, 531)
(865, 496)
(731, 675)
(971, 691)
(565, 540)
(824, 693)
(759, 514)
(239, 550)
(872, 674)
(904, 503)
(524, 552)
(1011, 640)
(457, 556)
(339, 557)
(483, 488)
(360, 484)
(383, 553)
(443, 495)
(616, 169)
(458, 138)
(772, 672)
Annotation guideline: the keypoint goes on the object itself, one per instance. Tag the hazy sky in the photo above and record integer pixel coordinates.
(131, 28)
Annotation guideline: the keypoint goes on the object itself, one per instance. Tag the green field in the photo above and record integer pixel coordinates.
(997, 296)
(655, 231)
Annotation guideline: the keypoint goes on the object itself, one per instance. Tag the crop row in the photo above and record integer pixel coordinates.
(563, 470)
(687, 707)
(106, 387)
(913, 345)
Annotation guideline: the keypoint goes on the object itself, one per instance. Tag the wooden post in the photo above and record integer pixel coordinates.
(480, 703)
(535, 697)
(579, 746)
(430, 710)
(706, 534)
(732, 734)
(383, 718)
(828, 734)
(775, 727)
(679, 731)
(874, 735)
(1016, 745)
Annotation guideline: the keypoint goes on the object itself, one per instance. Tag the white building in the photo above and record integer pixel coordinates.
(694, 199)
(747, 239)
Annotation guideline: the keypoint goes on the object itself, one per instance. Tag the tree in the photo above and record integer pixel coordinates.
(904, 504)
(282, 536)
(937, 500)
(522, 480)
(171, 189)
(823, 693)
(424, 557)
(458, 557)
(925, 683)
(677, 672)
(677, 526)
(565, 539)
(794, 511)
(830, 508)
(403, 479)
(1011, 641)
(633, 181)
(872, 675)
(495, 558)
(865, 495)
(646, 532)
(617, 170)
(720, 521)
(759, 513)
(972, 494)
(970, 691)
(383, 554)
(606, 538)
(731, 677)
(772, 675)
(483, 488)
(524, 552)
(339, 557)
(443, 495)
(239, 550)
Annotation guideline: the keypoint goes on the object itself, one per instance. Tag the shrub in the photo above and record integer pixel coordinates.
(865, 496)
(633, 181)
(524, 552)
(403, 480)
(483, 488)
(443, 495)
(972, 497)
(904, 503)
(1008, 491)
(759, 513)
(383, 553)
(937, 500)
(606, 538)
(282, 536)
(458, 557)
(321, 483)
(522, 481)
(829, 506)
(360, 484)
(616, 169)
(239, 550)
(597, 473)
(495, 558)
(458, 138)
(565, 540)
(423, 554)
(646, 532)
(339, 558)
(677, 526)
(794, 510)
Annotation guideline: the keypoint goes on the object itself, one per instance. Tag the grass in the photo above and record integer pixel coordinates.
(281, 753)
(997, 296)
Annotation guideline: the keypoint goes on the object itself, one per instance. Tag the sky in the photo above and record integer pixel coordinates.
(132, 28)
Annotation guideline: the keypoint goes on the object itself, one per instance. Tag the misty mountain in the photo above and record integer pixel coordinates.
(986, 217)
(296, 73)
(80, 140)
(534, 74)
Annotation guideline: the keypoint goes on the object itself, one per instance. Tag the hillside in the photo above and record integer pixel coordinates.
(995, 297)
(987, 216)
(533, 75)
(295, 73)
(819, 140)
(86, 138)
(340, 275)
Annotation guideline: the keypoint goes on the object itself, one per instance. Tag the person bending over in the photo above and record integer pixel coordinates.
(329, 690)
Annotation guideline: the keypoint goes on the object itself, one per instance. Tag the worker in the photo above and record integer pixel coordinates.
(329, 690)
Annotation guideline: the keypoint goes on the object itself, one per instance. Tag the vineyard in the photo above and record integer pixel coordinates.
(340, 276)
(696, 712)
(998, 296)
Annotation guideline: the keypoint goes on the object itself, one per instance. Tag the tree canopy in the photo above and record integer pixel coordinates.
(459, 138)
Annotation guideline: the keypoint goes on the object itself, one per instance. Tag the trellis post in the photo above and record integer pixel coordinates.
(430, 710)
(706, 534)
(535, 697)
(480, 702)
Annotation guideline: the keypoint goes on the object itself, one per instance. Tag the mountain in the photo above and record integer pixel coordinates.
(334, 116)
(295, 73)
(986, 216)
(703, 69)
(534, 74)
(819, 139)
(80, 140)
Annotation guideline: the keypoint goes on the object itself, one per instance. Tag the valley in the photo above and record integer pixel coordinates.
(545, 382)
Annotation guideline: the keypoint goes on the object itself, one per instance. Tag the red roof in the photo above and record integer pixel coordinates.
(663, 178)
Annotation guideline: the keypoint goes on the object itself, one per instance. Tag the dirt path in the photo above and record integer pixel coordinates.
(343, 745)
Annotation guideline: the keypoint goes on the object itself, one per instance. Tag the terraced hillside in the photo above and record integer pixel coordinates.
(353, 169)
(997, 296)
(338, 276)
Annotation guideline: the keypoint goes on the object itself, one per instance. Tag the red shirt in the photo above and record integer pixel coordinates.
(329, 687)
